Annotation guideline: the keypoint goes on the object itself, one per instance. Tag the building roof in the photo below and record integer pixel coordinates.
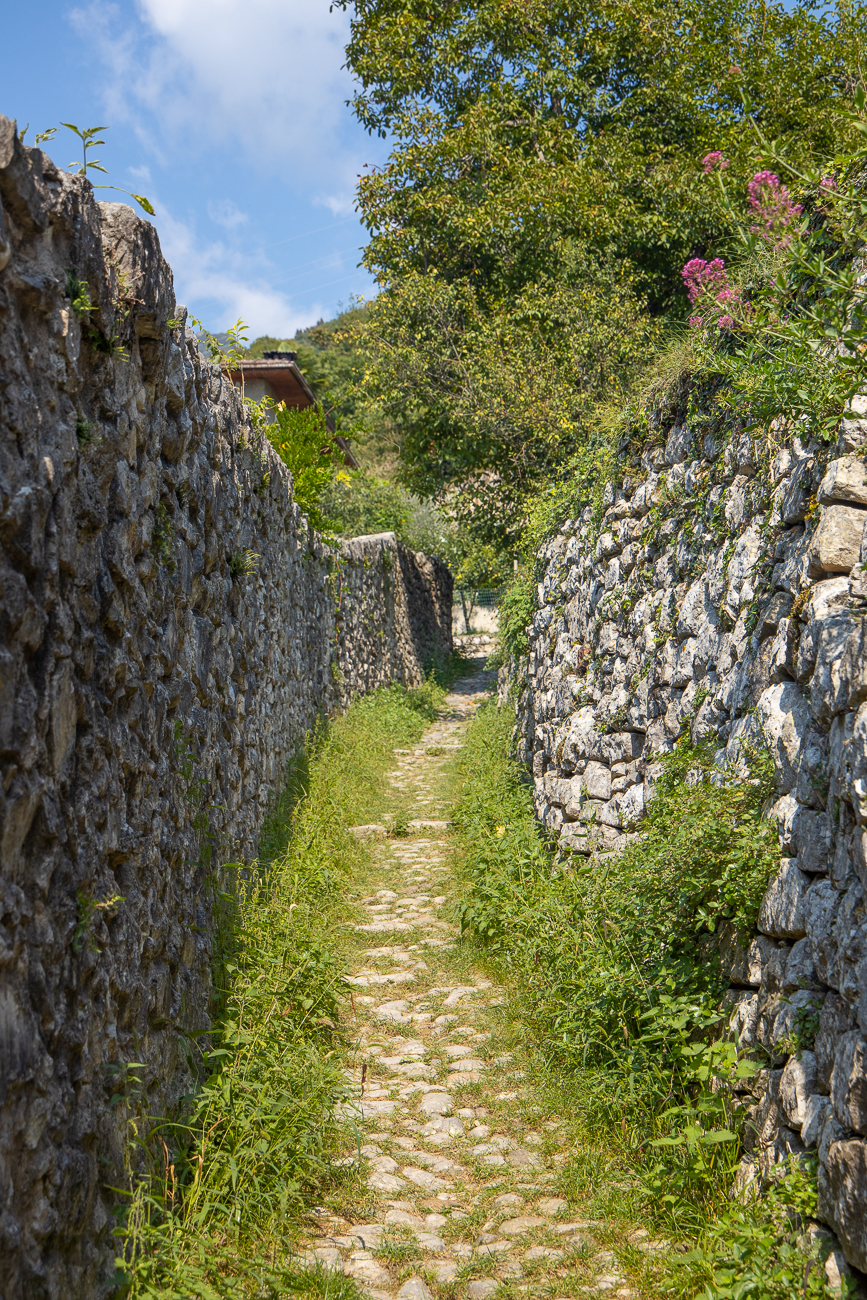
(282, 375)
(280, 372)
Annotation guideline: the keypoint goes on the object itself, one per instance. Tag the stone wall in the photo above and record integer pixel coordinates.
(169, 629)
(723, 594)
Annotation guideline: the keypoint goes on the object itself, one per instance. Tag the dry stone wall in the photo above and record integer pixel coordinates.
(170, 627)
(723, 593)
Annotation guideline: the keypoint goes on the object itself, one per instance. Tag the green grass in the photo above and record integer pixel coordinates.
(213, 1207)
(615, 984)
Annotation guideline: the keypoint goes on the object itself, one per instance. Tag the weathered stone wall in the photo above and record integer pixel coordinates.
(169, 629)
(723, 592)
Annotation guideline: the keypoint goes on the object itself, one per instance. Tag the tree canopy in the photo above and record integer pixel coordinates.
(529, 229)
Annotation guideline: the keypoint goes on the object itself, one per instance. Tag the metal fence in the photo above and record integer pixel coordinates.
(478, 597)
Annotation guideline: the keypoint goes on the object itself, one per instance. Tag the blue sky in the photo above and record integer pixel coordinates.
(230, 116)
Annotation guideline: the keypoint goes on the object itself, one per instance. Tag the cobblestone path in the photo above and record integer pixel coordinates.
(461, 1195)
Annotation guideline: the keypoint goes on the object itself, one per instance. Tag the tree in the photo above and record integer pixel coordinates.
(530, 226)
(302, 440)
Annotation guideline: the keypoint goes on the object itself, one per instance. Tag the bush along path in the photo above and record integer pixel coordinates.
(461, 1158)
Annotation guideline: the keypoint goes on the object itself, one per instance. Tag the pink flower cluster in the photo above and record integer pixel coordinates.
(772, 204)
(707, 286)
(714, 162)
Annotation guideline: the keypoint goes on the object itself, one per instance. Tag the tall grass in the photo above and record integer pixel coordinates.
(616, 968)
(215, 1211)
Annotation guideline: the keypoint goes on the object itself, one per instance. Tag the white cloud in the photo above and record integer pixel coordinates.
(260, 82)
(224, 213)
(263, 75)
(231, 283)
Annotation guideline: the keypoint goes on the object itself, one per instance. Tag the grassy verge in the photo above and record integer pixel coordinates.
(215, 1213)
(615, 973)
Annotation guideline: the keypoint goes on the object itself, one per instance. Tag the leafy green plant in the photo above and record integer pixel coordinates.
(88, 137)
(163, 537)
(762, 1250)
(85, 431)
(791, 335)
(617, 960)
(78, 293)
(87, 910)
(304, 443)
(244, 562)
(517, 608)
(398, 1246)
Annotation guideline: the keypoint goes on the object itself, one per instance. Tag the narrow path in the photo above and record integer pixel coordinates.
(461, 1192)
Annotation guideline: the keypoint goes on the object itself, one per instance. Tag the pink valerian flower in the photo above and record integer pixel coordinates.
(708, 288)
(714, 162)
(827, 183)
(773, 205)
(702, 278)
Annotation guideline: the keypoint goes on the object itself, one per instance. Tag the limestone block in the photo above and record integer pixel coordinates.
(797, 1083)
(607, 546)
(779, 1021)
(835, 547)
(575, 842)
(799, 971)
(852, 436)
(792, 571)
(744, 962)
(596, 781)
(609, 814)
(582, 738)
(621, 746)
(784, 812)
(782, 914)
(678, 445)
(810, 835)
(839, 678)
(845, 480)
(553, 818)
(847, 857)
(558, 789)
(744, 1019)
(821, 905)
(816, 1109)
(590, 810)
(842, 1280)
(632, 804)
(792, 498)
(773, 613)
(849, 1081)
(785, 720)
(734, 498)
(843, 1195)
(740, 588)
